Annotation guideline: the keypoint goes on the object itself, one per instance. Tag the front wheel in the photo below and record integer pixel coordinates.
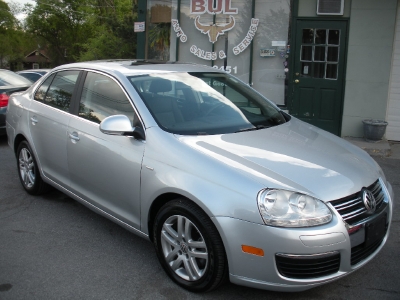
(189, 246)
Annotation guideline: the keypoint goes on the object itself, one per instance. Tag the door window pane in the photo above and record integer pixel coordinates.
(319, 54)
(308, 36)
(320, 36)
(333, 38)
(103, 97)
(60, 91)
(320, 47)
(41, 92)
(306, 53)
(319, 70)
(333, 54)
(331, 71)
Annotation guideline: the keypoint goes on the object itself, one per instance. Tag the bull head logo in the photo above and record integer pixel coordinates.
(214, 31)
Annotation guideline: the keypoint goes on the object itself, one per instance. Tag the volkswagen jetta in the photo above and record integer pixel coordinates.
(224, 183)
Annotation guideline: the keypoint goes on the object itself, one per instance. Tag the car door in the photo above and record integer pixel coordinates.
(48, 120)
(105, 169)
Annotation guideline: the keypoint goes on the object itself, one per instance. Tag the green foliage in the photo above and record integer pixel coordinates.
(69, 30)
(7, 20)
(104, 45)
(14, 42)
(62, 24)
(159, 35)
(112, 31)
(83, 29)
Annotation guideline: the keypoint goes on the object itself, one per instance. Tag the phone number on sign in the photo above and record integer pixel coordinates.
(228, 69)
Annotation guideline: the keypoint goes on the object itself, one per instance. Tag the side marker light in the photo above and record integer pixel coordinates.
(252, 250)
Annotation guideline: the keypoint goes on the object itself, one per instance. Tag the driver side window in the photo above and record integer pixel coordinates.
(103, 97)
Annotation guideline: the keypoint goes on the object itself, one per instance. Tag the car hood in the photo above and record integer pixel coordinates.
(293, 156)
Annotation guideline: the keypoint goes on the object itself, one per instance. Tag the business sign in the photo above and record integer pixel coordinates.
(139, 26)
(267, 52)
(199, 7)
(213, 31)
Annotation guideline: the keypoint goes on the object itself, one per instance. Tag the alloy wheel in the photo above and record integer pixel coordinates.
(184, 248)
(27, 168)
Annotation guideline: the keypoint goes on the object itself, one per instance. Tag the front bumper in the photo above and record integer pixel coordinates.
(262, 271)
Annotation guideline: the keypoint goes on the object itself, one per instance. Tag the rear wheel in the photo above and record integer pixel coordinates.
(28, 170)
(189, 246)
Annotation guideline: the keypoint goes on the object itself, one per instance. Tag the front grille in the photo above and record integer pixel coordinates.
(352, 208)
(361, 252)
(308, 266)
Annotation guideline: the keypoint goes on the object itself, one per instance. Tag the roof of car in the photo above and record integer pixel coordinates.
(137, 67)
(34, 70)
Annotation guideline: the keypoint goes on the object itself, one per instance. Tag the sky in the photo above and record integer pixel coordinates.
(22, 2)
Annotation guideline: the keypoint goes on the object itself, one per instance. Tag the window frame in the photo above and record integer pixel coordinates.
(75, 110)
(77, 93)
(54, 75)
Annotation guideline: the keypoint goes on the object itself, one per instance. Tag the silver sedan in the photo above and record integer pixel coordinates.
(224, 183)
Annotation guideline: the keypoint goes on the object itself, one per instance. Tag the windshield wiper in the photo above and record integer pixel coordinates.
(253, 128)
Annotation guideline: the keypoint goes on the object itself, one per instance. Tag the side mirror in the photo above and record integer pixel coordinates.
(121, 125)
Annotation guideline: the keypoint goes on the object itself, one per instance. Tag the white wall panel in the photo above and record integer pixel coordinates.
(393, 112)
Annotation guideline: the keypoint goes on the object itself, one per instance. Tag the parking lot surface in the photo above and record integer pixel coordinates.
(52, 247)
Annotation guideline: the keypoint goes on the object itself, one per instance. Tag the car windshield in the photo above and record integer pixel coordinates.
(10, 78)
(199, 103)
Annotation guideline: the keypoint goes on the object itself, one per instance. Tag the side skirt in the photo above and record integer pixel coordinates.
(97, 209)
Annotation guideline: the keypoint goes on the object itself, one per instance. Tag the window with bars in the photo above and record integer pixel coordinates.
(319, 54)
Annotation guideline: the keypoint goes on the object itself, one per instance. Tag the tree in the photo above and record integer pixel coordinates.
(159, 35)
(62, 24)
(112, 33)
(7, 23)
(7, 20)
(84, 29)
(14, 42)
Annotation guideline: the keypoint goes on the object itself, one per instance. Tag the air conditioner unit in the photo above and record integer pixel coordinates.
(330, 7)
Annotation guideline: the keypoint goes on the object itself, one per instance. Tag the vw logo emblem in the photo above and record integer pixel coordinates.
(369, 201)
(184, 247)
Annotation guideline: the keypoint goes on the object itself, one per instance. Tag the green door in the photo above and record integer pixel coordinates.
(319, 59)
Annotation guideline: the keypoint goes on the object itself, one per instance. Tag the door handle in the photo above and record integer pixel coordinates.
(74, 136)
(34, 120)
(296, 81)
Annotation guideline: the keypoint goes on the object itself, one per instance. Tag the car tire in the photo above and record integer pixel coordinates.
(194, 255)
(28, 170)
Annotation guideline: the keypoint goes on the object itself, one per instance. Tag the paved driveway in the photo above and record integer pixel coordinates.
(52, 247)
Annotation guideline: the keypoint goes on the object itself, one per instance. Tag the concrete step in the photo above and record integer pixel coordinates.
(382, 148)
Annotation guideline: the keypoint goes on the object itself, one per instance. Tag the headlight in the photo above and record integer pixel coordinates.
(289, 209)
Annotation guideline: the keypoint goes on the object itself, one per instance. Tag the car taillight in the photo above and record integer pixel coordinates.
(3, 100)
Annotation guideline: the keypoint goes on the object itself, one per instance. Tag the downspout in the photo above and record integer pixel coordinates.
(253, 6)
(141, 36)
(179, 22)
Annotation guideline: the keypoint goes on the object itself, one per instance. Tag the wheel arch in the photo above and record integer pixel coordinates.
(17, 140)
(155, 207)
